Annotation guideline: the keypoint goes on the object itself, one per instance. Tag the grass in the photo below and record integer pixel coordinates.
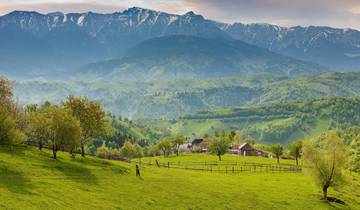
(203, 157)
(30, 179)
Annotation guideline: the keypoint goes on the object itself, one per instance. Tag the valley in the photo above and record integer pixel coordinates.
(138, 108)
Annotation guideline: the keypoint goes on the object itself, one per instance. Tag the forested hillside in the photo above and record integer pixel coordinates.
(171, 99)
(277, 123)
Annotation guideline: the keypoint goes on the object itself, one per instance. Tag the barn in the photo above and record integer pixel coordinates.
(246, 149)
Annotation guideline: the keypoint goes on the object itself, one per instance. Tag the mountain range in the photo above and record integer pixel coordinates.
(190, 57)
(34, 45)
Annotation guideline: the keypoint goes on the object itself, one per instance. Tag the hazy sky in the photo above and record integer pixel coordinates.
(336, 13)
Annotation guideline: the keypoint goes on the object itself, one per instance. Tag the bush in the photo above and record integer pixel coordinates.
(9, 133)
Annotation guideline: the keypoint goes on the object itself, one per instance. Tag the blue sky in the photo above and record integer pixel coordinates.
(336, 13)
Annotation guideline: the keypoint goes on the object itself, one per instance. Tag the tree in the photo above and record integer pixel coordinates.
(7, 102)
(219, 146)
(351, 137)
(38, 128)
(325, 161)
(102, 151)
(232, 135)
(139, 152)
(65, 130)
(6, 94)
(92, 118)
(177, 141)
(278, 150)
(130, 150)
(355, 154)
(164, 145)
(9, 133)
(295, 150)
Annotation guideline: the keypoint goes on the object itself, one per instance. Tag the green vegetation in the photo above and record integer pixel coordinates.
(172, 99)
(29, 178)
(270, 124)
(90, 116)
(326, 161)
(295, 150)
(79, 125)
(219, 146)
(277, 150)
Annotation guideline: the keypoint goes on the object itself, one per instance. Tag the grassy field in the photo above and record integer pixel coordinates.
(30, 179)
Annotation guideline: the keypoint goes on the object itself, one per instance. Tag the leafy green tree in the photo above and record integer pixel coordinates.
(325, 162)
(130, 151)
(277, 150)
(6, 94)
(102, 151)
(65, 129)
(9, 133)
(7, 102)
(351, 137)
(38, 128)
(295, 150)
(91, 116)
(177, 141)
(139, 152)
(219, 146)
(232, 135)
(355, 154)
(165, 146)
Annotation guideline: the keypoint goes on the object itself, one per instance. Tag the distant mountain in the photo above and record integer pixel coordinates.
(31, 41)
(338, 49)
(190, 57)
(34, 44)
(171, 99)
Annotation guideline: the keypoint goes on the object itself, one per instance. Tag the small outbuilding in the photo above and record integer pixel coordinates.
(246, 149)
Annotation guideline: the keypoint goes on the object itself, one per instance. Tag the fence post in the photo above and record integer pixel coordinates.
(157, 163)
(168, 164)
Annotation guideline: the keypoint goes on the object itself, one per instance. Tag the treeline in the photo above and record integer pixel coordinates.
(76, 125)
(281, 120)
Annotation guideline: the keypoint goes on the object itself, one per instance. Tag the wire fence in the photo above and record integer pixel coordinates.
(224, 167)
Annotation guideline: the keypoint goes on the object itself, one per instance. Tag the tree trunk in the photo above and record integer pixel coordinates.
(82, 150)
(40, 145)
(54, 152)
(325, 188)
(297, 161)
(219, 157)
(278, 159)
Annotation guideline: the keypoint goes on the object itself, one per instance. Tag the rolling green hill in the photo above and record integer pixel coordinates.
(276, 123)
(30, 179)
(172, 99)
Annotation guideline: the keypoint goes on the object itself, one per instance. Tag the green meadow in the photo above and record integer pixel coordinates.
(31, 179)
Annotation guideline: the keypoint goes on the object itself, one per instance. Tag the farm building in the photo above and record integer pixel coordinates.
(246, 149)
(199, 145)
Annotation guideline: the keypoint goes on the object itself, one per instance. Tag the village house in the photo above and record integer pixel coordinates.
(246, 149)
(195, 145)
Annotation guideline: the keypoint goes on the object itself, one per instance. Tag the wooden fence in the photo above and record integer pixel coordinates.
(224, 167)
